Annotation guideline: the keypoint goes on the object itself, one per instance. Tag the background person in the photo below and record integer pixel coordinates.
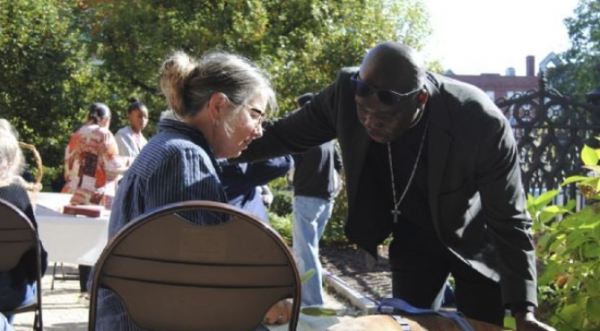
(316, 183)
(25, 178)
(433, 162)
(130, 139)
(92, 162)
(220, 101)
(92, 167)
(17, 286)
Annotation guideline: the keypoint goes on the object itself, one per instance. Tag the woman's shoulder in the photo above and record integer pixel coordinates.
(124, 131)
(13, 188)
(173, 147)
(94, 131)
(15, 194)
(103, 131)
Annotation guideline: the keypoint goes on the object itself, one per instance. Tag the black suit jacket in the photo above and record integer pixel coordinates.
(475, 192)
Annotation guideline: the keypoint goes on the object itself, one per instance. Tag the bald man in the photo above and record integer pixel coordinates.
(431, 161)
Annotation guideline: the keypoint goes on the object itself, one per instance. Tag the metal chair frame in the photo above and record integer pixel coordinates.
(18, 236)
(172, 274)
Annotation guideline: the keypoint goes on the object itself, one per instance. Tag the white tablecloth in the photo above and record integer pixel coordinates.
(68, 238)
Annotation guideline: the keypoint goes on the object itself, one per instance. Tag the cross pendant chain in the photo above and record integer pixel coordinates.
(396, 212)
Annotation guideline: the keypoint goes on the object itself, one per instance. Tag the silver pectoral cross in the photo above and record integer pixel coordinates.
(396, 213)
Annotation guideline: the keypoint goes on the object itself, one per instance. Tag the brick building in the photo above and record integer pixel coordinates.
(497, 86)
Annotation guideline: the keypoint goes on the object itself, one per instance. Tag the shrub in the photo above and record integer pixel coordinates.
(283, 225)
(334, 233)
(282, 207)
(282, 202)
(569, 252)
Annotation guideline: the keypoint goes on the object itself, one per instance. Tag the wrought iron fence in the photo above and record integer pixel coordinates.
(550, 130)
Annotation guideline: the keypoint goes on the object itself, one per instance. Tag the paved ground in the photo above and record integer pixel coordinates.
(65, 310)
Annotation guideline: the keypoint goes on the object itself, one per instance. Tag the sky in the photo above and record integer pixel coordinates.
(471, 37)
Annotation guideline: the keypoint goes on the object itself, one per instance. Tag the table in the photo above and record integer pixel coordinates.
(68, 238)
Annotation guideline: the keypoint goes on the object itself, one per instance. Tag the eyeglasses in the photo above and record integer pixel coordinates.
(387, 97)
(257, 115)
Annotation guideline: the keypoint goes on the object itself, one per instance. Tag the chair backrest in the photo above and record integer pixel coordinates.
(172, 274)
(17, 235)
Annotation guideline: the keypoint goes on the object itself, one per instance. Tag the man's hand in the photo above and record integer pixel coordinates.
(526, 321)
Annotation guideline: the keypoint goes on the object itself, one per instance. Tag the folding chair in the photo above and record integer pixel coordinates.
(18, 236)
(171, 274)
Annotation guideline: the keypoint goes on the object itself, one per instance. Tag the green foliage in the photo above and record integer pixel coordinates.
(59, 56)
(510, 323)
(279, 184)
(301, 43)
(281, 211)
(318, 311)
(283, 225)
(334, 232)
(308, 275)
(578, 75)
(569, 253)
(45, 74)
(282, 202)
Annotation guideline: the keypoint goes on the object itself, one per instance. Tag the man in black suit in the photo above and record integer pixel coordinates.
(431, 161)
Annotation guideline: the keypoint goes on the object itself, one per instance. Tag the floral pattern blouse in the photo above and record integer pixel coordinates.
(92, 166)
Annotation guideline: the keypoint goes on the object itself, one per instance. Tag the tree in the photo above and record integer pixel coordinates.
(59, 56)
(301, 43)
(579, 73)
(46, 79)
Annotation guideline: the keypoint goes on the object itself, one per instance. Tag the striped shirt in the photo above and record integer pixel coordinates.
(176, 165)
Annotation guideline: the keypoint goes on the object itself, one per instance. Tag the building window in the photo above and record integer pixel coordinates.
(491, 94)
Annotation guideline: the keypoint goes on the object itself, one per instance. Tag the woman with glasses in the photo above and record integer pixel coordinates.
(218, 102)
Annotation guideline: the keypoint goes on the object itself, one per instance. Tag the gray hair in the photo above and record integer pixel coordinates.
(11, 157)
(188, 84)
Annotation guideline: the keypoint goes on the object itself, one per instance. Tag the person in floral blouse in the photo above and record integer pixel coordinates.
(92, 161)
(92, 167)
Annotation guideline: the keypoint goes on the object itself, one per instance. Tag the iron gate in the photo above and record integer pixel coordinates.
(550, 130)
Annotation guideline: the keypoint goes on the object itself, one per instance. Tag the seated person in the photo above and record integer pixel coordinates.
(17, 286)
(219, 102)
(26, 178)
(245, 183)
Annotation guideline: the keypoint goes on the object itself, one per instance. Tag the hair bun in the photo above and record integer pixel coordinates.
(134, 100)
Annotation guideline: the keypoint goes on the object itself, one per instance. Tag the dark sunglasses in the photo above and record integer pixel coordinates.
(387, 97)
